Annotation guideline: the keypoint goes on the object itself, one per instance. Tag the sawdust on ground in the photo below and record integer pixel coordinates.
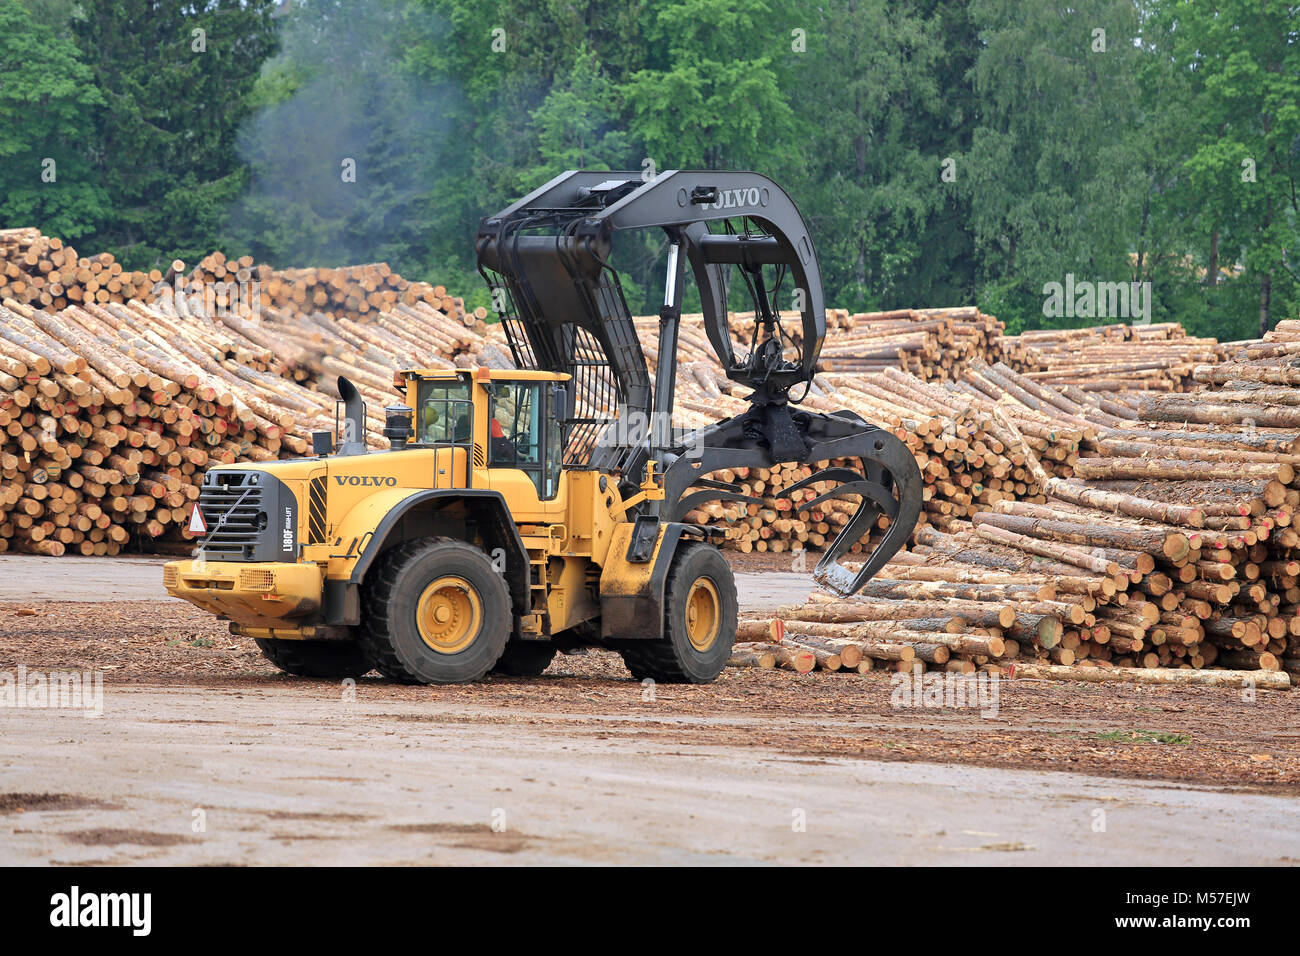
(1195, 735)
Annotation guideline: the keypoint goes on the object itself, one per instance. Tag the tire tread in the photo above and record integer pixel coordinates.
(659, 659)
(377, 594)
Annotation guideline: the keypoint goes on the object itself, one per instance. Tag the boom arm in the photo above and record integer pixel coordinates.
(546, 258)
(563, 233)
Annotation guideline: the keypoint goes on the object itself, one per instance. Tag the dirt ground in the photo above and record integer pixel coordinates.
(1039, 725)
(587, 765)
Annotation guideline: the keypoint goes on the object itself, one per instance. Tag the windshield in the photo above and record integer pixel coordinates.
(444, 413)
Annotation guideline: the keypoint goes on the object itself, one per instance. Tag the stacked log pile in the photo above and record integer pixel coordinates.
(357, 293)
(112, 412)
(1114, 359)
(1185, 562)
(44, 272)
(942, 611)
(1168, 537)
(932, 344)
(1198, 520)
(977, 601)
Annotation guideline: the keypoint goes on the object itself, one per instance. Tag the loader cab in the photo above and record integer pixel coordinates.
(524, 432)
(506, 421)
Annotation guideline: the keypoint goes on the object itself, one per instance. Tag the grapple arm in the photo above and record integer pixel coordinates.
(889, 483)
(547, 258)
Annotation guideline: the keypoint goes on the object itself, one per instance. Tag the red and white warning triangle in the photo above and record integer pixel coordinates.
(198, 524)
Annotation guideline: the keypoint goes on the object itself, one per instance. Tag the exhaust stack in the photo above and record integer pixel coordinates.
(352, 440)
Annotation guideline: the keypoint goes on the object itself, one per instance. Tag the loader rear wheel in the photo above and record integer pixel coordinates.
(315, 658)
(434, 611)
(699, 621)
(525, 658)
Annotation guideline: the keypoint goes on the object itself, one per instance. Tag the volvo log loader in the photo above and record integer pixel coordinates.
(526, 511)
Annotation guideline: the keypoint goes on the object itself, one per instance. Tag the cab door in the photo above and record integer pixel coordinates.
(524, 448)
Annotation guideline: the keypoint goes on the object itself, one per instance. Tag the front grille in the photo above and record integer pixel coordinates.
(170, 577)
(232, 507)
(256, 579)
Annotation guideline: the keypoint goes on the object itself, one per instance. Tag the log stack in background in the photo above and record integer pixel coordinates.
(44, 272)
(110, 413)
(1120, 498)
(358, 293)
(1114, 358)
(929, 343)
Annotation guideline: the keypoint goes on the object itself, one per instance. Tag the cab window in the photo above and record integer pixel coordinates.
(514, 431)
(523, 433)
(554, 443)
(445, 413)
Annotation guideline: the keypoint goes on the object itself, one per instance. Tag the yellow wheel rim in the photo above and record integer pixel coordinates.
(703, 614)
(449, 615)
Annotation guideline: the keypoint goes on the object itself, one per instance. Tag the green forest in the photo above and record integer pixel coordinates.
(944, 153)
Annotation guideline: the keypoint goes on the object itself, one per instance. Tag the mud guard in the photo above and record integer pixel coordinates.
(416, 516)
(632, 592)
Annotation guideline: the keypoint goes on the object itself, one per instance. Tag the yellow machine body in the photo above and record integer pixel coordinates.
(565, 552)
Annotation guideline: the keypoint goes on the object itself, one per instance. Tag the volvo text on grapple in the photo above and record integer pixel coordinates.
(520, 512)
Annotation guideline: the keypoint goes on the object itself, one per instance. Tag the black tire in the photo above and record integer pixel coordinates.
(525, 658)
(674, 659)
(400, 635)
(316, 658)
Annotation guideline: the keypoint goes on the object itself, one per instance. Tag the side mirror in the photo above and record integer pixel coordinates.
(562, 403)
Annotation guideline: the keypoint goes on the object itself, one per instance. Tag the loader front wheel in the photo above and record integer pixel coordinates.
(315, 658)
(699, 621)
(435, 611)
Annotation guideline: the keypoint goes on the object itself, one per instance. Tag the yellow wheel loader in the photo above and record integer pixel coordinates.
(526, 511)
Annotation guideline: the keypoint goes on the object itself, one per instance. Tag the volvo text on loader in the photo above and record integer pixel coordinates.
(524, 511)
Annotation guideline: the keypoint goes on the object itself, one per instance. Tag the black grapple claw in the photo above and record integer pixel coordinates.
(889, 485)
